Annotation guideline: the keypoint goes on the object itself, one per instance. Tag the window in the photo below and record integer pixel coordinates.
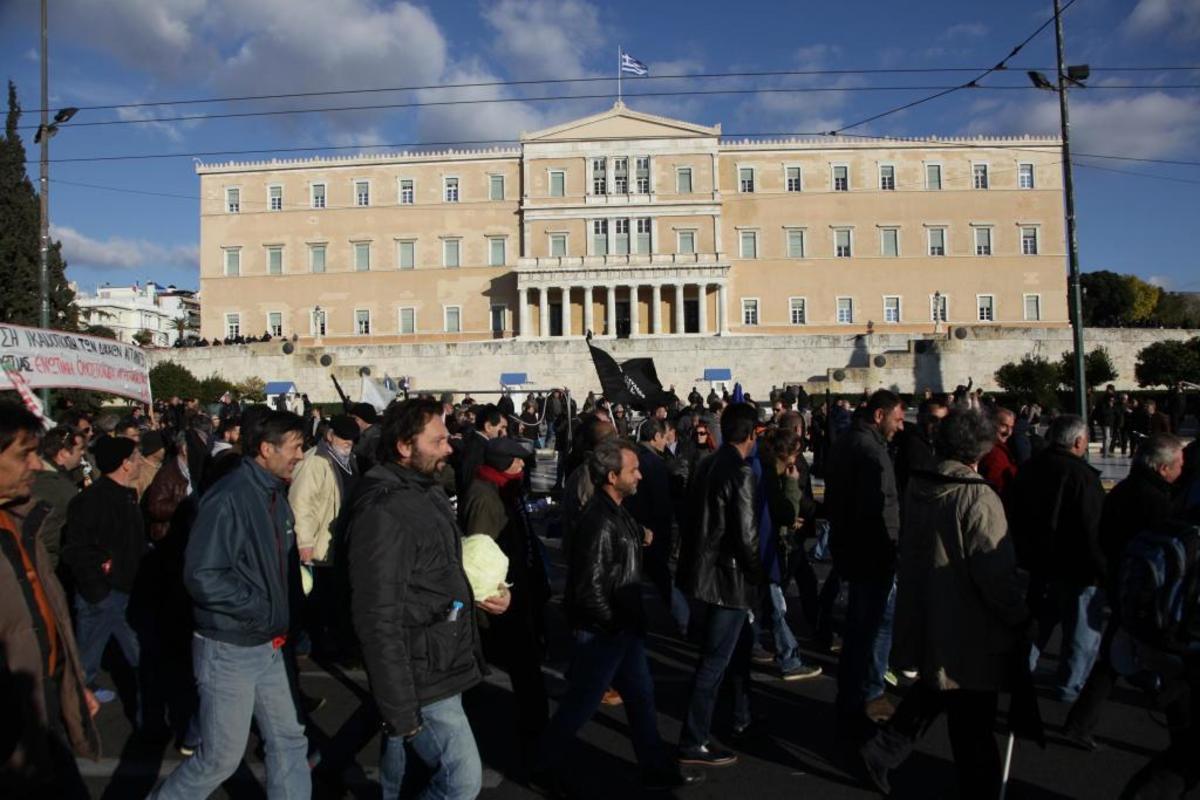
(687, 242)
(845, 310)
(939, 306)
(233, 325)
(620, 237)
(600, 237)
(1033, 307)
(233, 200)
(620, 176)
(362, 256)
(496, 252)
(983, 241)
(406, 254)
(450, 253)
(749, 311)
(495, 187)
(745, 179)
(937, 241)
(841, 178)
(986, 305)
(794, 183)
(795, 243)
(275, 323)
(1025, 176)
(599, 176)
(362, 193)
(683, 180)
(316, 258)
(558, 244)
(275, 260)
(317, 322)
(407, 192)
(362, 322)
(408, 320)
(980, 173)
(1029, 241)
(887, 178)
(643, 235)
(453, 319)
(933, 176)
(841, 238)
(275, 198)
(749, 244)
(499, 315)
(233, 262)
(558, 183)
(797, 312)
(451, 190)
(318, 195)
(891, 309)
(889, 241)
(643, 174)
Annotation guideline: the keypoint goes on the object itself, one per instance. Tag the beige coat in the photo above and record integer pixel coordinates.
(315, 499)
(960, 598)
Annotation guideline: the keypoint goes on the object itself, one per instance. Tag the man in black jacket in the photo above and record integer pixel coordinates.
(720, 568)
(239, 569)
(864, 516)
(412, 603)
(1054, 506)
(604, 607)
(103, 547)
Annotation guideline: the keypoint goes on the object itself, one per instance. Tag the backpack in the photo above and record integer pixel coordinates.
(1158, 585)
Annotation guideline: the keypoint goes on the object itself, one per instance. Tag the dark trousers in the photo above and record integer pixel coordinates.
(511, 642)
(866, 643)
(657, 566)
(726, 645)
(970, 715)
(1085, 712)
(800, 569)
(1176, 771)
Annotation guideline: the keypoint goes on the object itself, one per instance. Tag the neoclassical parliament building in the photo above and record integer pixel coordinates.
(633, 225)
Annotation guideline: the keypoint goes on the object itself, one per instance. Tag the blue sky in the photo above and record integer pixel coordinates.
(149, 51)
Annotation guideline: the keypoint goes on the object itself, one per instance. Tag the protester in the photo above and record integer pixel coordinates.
(997, 466)
(61, 453)
(915, 449)
(489, 424)
(367, 447)
(151, 452)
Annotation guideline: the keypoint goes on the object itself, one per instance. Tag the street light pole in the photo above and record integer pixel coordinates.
(44, 185)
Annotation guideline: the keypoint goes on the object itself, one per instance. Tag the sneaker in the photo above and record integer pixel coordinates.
(187, 749)
(667, 779)
(910, 674)
(104, 695)
(801, 673)
(761, 655)
(890, 678)
(876, 772)
(705, 756)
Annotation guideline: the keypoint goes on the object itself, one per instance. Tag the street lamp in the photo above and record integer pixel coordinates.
(1074, 76)
(937, 312)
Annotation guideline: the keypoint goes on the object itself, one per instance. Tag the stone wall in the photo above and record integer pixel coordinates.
(845, 363)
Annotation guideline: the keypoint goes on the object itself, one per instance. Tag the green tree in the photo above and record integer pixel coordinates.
(1177, 310)
(143, 338)
(103, 331)
(1145, 298)
(20, 215)
(1032, 378)
(1165, 363)
(212, 387)
(1097, 369)
(169, 379)
(1108, 298)
(253, 389)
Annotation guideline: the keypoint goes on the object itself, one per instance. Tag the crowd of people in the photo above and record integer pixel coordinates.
(216, 549)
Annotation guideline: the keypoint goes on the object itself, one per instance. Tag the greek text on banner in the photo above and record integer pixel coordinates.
(49, 359)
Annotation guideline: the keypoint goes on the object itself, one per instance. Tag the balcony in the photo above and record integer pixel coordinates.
(621, 261)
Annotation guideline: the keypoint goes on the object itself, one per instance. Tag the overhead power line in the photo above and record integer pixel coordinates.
(1041, 148)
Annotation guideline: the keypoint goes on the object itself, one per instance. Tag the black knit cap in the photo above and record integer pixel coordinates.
(111, 452)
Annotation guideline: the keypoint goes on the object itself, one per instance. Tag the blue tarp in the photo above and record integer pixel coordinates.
(718, 375)
(514, 378)
(280, 387)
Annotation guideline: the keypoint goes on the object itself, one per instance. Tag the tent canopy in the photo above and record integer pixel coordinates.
(514, 378)
(718, 374)
(280, 387)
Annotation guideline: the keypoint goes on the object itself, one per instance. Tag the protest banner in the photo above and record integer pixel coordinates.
(48, 359)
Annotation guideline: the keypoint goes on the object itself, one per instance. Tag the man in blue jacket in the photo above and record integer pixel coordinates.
(240, 558)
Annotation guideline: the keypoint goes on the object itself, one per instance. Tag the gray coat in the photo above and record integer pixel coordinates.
(960, 598)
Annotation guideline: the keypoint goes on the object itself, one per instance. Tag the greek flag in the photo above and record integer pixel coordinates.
(632, 65)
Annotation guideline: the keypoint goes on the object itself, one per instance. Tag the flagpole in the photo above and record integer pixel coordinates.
(618, 73)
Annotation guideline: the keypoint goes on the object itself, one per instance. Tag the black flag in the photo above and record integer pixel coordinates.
(633, 383)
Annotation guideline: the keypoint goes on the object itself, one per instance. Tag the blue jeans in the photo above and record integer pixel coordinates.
(787, 649)
(96, 623)
(446, 745)
(866, 644)
(237, 683)
(723, 633)
(1080, 611)
(601, 660)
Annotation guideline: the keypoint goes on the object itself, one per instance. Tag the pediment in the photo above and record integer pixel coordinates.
(621, 122)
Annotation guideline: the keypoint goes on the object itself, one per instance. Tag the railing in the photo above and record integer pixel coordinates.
(630, 260)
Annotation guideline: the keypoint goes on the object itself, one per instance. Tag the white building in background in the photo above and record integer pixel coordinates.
(128, 310)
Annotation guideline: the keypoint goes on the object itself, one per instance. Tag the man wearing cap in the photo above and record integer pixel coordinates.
(367, 419)
(103, 548)
(495, 506)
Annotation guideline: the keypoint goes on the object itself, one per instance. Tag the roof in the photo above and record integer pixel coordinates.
(280, 387)
(620, 121)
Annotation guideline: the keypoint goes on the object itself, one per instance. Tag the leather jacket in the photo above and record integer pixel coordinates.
(603, 591)
(719, 560)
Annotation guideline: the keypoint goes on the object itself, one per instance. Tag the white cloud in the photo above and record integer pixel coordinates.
(965, 30)
(800, 112)
(545, 38)
(1178, 19)
(1161, 281)
(82, 250)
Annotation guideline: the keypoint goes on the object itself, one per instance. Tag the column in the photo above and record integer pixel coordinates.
(656, 309)
(633, 310)
(679, 308)
(611, 311)
(703, 308)
(589, 323)
(565, 309)
(722, 311)
(523, 311)
(544, 311)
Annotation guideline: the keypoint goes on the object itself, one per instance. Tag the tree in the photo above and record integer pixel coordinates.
(1032, 378)
(1108, 298)
(1097, 369)
(1165, 363)
(20, 230)
(1177, 310)
(143, 338)
(212, 387)
(253, 389)
(103, 331)
(169, 379)
(1145, 299)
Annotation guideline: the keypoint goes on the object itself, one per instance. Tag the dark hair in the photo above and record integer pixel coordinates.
(403, 422)
(779, 442)
(737, 423)
(228, 424)
(488, 414)
(57, 440)
(965, 436)
(72, 418)
(606, 459)
(793, 420)
(882, 400)
(272, 429)
(651, 427)
(124, 424)
(15, 418)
